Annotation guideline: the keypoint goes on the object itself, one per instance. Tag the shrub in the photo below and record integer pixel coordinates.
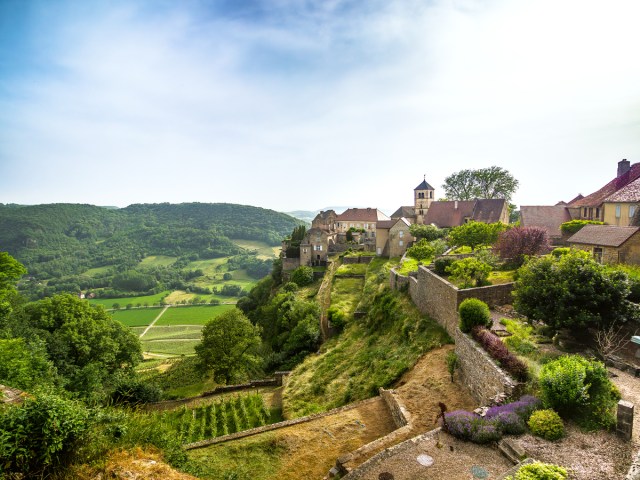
(473, 312)
(422, 250)
(133, 391)
(499, 352)
(302, 276)
(337, 318)
(453, 362)
(441, 264)
(519, 243)
(520, 340)
(546, 424)
(539, 471)
(469, 272)
(486, 432)
(573, 226)
(41, 434)
(581, 389)
(461, 424)
(510, 423)
(560, 251)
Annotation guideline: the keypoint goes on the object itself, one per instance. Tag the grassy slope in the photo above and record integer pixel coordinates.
(353, 365)
(196, 315)
(136, 317)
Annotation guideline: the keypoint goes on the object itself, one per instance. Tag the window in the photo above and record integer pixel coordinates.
(632, 211)
(401, 234)
(584, 214)
(317, 248)
(400, 243)
(430, 194)
(421, 195)
(597, 213)
(618, 208)
(597, 254)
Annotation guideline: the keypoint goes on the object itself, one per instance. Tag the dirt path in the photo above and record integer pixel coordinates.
(154, 322)
(324, 297)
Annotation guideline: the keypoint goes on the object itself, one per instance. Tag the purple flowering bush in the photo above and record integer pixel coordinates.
(508, 419)
(494, 346)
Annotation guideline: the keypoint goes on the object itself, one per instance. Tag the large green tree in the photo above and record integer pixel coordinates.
(474, 234)
(572, 291)
(491, 182)
(84, 343)
(228, 346)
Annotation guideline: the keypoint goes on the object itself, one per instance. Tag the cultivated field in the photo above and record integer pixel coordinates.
(136, 317)
(196, 315)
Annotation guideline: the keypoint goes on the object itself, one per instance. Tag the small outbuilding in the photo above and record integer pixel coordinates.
(609, 243)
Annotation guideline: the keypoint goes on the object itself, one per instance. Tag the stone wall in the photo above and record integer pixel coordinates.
(479, 373)
(400, 414)
(359, 259)
(438, 298)
(289, 264)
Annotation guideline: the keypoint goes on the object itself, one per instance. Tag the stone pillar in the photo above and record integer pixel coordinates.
(624, 428)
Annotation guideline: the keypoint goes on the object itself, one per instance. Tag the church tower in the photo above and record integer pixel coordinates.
(423, 196)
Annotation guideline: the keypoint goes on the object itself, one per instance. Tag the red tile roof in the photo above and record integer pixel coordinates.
(604, 235)
(489, 210)
(549, 217)
(596, 198)
(629, 193)
(361, 215)
(450, 213)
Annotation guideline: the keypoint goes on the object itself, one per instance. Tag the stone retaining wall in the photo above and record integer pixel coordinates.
(363, 470)
(480, 374)
(360, 259)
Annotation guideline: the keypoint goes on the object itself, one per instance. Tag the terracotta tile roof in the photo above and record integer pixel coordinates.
(596, 198)
(605, 235)
(628, 193)
(361, 215)
(404, 212)
(489, 210)
(549, 217)
(446, 214)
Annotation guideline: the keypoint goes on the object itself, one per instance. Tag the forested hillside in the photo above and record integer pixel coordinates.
(61, 244)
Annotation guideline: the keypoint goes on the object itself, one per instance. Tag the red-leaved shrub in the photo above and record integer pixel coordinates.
(519, 242)
(499, 352)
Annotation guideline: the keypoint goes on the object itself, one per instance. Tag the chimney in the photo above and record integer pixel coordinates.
(623, 167)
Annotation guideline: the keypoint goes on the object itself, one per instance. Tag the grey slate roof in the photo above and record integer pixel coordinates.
(603, 235)
(404, 212)
(424, 186)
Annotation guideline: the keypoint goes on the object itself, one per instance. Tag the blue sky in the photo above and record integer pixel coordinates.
(301, 104)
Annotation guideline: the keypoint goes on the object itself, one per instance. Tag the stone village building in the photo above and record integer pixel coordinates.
(609, 243)
(374, 231)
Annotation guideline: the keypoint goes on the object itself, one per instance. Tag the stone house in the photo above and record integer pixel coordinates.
(593, 206)
(393, 237)
(325, 220)
(621, 207)
(609, 243)
(453, 213)
(360, 218)
(314, 249)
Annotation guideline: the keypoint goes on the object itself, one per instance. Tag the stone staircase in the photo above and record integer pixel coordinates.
(511, 449)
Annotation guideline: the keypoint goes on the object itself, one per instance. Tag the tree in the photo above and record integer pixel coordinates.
(470, 272)
(572, 291)
(519, 242)
(302, 276)
(491, 182)
(428, 232)
(421, 251)
(85, 344)
(23, 365)
(228, 345)
(474, 234)
(10, 272)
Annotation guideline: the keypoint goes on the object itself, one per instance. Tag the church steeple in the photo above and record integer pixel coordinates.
(423, 196)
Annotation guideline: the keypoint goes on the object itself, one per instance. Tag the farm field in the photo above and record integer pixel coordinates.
(147, 299)
(196, 315)
(92, 272)
(136, 317)
(157, 261)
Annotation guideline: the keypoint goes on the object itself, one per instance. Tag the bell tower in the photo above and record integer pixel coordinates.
(422, 198)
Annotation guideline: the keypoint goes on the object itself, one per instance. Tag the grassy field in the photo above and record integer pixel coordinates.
(265, 251)
(92, 272)
(157, 261)
(346, 293)
(169, 347)
(137, 317)
(352, 269)
(182, 332)
(196, 315)
(144, 300)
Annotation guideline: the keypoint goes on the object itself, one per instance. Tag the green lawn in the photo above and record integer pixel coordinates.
(409, 265)
(136, 317)
(196, 315)
(92, 272)
(346, 293)
(157, 261)
(182, 332)
(148, 299)
(169, 347)
(352, 269)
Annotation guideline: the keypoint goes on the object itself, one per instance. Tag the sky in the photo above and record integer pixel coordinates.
(304, 104)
